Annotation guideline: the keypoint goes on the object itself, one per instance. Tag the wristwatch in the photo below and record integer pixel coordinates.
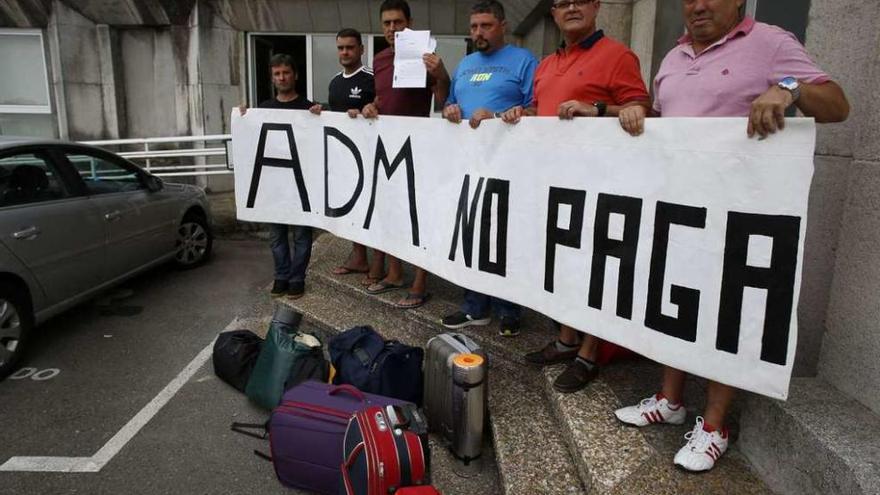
(791, 85)
(601, 108)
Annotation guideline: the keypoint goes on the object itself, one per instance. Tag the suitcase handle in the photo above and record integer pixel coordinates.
(350, 389)
(346, 463)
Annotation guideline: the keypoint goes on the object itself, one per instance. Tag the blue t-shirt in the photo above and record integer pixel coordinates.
(496, 82)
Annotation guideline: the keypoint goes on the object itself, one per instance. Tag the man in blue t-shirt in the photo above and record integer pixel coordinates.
(487, 82)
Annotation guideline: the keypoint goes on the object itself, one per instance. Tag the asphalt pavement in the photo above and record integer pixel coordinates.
(120, 390)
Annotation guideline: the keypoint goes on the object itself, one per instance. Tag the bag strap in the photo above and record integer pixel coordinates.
(349, 389)
(244, 427)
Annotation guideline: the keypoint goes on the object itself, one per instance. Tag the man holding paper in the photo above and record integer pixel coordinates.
(493, 79)
(414, 102)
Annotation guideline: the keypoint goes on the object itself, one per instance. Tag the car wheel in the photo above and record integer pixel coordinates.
(15, 327)
(194, 242)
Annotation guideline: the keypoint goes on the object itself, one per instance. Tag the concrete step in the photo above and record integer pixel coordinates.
(531, 454)
(616, 459)
(817, 442)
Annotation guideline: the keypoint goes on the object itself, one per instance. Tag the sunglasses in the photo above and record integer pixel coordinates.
(567, 4)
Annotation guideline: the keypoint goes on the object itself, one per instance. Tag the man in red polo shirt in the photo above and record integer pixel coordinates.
(591, 75)
(413, 102)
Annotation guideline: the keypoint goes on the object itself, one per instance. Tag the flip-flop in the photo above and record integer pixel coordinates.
(368, 281)
(382, 287)
(344, 270)
(412, 301)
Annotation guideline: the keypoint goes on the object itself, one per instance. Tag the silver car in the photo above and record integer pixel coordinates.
(75, 220)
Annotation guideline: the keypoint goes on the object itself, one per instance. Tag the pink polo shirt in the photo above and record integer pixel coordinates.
(725, 78)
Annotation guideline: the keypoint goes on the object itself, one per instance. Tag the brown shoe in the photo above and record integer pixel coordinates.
(550, 354)
(576, 376)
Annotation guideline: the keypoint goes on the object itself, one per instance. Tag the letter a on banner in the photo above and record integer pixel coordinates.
(262, 160)
(778, 279)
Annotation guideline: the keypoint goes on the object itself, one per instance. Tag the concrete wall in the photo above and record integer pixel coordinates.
(644, 19)
(76, 69)
(615, 18)
(851, 152)
(442, 17)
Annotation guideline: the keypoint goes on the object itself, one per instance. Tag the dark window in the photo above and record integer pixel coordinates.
(791, 15)
(264, 47)
(28, 178)
(103, 176)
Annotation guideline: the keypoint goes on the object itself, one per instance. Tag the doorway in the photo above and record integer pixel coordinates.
(263, 47)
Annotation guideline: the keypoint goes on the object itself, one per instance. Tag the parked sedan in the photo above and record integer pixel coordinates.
(75, 220)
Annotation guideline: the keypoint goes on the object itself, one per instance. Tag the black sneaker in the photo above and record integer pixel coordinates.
(576, 376)
(279, 288)
(460, 319)
(509, 327)
(296, 290)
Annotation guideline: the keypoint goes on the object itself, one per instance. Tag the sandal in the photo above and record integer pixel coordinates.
(412, 301)
(384, 286)
(368, 280)
(345, 270)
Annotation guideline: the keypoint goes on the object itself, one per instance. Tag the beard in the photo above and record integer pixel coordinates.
(482, 45)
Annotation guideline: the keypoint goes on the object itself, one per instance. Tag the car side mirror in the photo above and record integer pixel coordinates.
(153, 183)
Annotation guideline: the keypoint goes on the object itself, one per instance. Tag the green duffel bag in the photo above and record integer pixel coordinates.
(287, 358)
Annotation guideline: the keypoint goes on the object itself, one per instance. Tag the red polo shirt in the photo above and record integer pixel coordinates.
(597, 69)
(412, 102)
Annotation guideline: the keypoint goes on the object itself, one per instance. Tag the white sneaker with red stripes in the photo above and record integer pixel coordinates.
(652, 410)
(702, 449)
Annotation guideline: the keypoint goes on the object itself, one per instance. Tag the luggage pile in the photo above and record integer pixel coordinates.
(363, 431)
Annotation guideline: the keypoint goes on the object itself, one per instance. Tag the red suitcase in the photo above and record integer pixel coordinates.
(418, 490)
(380, 454)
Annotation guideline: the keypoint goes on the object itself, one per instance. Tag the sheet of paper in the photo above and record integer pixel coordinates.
(409, 69)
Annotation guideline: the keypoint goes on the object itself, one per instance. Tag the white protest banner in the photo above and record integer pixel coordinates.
(684, 244)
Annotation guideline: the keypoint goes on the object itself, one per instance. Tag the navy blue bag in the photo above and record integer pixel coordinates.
(364, 359)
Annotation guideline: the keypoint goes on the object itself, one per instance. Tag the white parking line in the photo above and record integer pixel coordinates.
(94, 463)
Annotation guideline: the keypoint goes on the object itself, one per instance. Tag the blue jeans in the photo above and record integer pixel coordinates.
(295, 271)
(478, 305)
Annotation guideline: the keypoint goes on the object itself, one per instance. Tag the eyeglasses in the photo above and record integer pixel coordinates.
(567, 4)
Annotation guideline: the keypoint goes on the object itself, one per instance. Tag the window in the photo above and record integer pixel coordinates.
(325, 65)
(28, 178)
(791, 15)
(103, 176)
(26, 88)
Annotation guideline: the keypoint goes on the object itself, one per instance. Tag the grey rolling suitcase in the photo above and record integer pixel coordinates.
(438, 398)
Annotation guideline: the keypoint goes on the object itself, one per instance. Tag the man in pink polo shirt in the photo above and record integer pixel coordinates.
(726, 66)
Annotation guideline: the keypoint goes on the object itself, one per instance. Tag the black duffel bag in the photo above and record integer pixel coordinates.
(235, 354)
(363, 358)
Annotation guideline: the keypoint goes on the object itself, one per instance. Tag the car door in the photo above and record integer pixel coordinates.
(53, 231)
(141, 223)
